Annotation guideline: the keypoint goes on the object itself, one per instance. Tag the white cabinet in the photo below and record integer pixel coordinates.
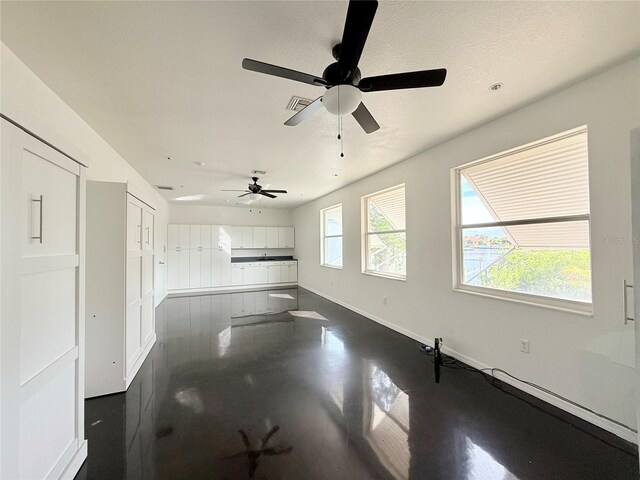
(235, 234)
(178, 237)
(42, 349)
(259, 237)
(293, 272)
(274, 273)
(290, 241)
(247, 237)
(120, 326)
(236, 274)
(273, 237)
(261, 274)
(282, 237)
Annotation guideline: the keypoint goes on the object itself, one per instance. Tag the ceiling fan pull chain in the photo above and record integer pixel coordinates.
(341, 136)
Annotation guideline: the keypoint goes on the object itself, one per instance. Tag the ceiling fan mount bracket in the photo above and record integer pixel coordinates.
(334, 76)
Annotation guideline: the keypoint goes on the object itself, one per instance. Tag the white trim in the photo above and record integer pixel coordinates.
(76, 462)
(323, 236)
(612, 427)
(378, 273)
(331, 266)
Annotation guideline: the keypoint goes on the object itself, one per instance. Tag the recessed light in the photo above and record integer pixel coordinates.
(200, 164)
(167, 158)
(496, 86)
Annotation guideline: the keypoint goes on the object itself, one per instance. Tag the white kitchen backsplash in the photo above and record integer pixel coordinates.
(259, 252)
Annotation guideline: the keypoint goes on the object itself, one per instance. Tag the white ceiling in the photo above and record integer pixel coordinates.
(160, 79)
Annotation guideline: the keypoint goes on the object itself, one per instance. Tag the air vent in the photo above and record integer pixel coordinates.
(164, 187)
(298, 103)
(259, 172)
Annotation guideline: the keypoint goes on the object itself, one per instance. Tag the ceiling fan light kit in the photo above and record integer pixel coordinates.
(343, 79)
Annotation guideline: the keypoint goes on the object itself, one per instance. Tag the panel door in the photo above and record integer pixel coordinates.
(259, 237)
(248, 275)
(260, 274)
(236, 275)
(293, 272)
(42, 309)
(205, 268)
(184, 237)
(225, 266)
(273, 237)
(173, 237)
(274, 274)
(173, 269)
(282, 237)
(216, 277)
(194, 236)
(134, 224)
(205, 236)
(194, 268)
(235, 235)
(291, 238)
(183, 261)
(147, 230)
(247, 237)
(284, 273)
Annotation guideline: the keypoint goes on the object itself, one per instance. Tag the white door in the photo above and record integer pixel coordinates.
(274, 273)
(173, 237)
(273, 237)
(235, 235)
(284, 273)
(247, 237)
(194, 237)
(194, 268)
(260, 274)
(133, 327)
(205, 236)
(248, 275)
(635, 230)
(147, 327)
(224, 241)
(184, 237)
(236, 275)
(259, 237)
(205, 267)
(184, 264)
(173, 269)
(293, 272)
(147, 229)
(282, 237)
(42, 309)
(291, 238)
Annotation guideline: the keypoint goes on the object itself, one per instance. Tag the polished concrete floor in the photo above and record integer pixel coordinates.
(286, 385)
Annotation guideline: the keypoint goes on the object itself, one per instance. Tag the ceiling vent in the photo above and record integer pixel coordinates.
(259, 172)
(298, 103)
(164, 187)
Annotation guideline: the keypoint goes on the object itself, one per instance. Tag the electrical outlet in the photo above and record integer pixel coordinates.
(524, 345)
(384, 300)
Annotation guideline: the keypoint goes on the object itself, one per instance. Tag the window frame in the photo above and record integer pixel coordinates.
(572, 306)
(366, 234)
(323, 237)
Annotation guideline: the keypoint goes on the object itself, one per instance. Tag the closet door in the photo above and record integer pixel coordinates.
(133, 327)
(194, 268)
(147, 327)
(173, 269)
(225, 256)
(42, 309)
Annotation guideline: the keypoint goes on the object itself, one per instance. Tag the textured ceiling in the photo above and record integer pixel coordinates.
(159, 79)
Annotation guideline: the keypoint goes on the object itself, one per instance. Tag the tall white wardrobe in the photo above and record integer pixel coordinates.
(120, 325)
(42, 195)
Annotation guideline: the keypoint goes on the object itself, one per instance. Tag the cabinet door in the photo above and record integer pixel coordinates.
(291, 238)
(248, 275)
(235, 233)
(293, 272)
(173, 269)
(194, 236)
(183, 256)
(247, 237)
(259, 237)
(184, 237)
(194, 268)
(205, 267)
(205, 236)
(134, 224)
(272, 237)
(274, 273)
(147, 229)
(284, 273)
(216, 279)
(282, 237)
(173, 237)
(236, 275)
(225, 266)
(260, 274)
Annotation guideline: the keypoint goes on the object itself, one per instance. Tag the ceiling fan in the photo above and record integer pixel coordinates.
(343, 80)
(255, 190)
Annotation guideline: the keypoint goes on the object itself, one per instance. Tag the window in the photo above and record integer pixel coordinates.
(385, 239)
(331, 228)
(523, 223)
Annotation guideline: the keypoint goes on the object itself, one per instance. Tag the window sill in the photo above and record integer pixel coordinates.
(402, 278)
(330, 266)
(578, 308)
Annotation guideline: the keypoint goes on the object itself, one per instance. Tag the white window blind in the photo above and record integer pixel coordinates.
(517, 208)
(331, 241)
(385, 236)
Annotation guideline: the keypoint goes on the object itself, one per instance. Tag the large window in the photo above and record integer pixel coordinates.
(331, 242)
(385, 239)
(523, 223)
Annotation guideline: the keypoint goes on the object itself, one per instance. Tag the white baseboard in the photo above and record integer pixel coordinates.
(619, 430)
(226, 289)
(75, 463)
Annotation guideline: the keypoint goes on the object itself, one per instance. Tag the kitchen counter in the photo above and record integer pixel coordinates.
(283, 258)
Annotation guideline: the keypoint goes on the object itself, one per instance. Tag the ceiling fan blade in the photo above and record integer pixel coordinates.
(274, 70)
(267, 194)
(424, 78)
(274, 191)
(356, 29)
(233, 190)
(365, 119)
(305, 113)
(244, 194)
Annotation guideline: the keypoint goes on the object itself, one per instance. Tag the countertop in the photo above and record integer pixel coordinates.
(284, 258)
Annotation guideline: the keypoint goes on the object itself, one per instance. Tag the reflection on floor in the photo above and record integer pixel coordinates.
(286, 385)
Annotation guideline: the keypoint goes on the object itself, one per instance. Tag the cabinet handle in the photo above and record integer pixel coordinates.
(39, 200)
(627, 318)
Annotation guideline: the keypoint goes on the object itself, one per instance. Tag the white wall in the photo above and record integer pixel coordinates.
(28, 101)
(590, 360)
(247, 215)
